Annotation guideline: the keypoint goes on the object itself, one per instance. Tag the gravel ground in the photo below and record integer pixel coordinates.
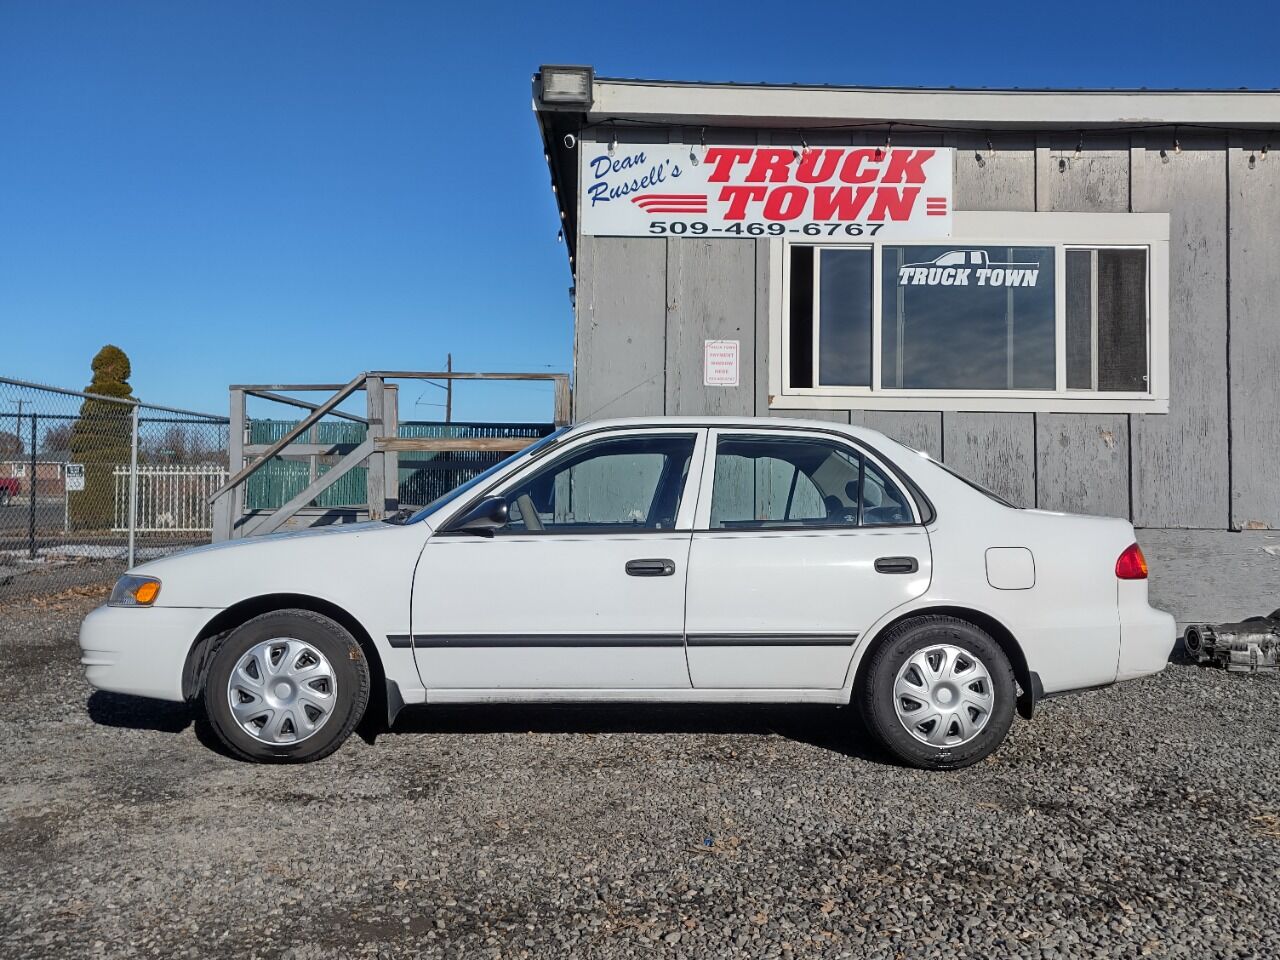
(1139, 820)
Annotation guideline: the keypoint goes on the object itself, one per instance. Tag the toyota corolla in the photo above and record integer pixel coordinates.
(645, 561)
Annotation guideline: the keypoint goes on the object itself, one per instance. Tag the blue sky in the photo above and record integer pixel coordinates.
(269, 191)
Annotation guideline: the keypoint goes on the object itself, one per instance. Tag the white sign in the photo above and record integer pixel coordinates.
(963, 268)
(75, 477)
(720, 363)
(811, 194)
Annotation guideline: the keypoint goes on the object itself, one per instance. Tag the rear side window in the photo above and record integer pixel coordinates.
(783, 482)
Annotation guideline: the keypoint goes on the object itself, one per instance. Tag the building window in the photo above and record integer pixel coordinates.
(1034, 321)
(1107, 320)
(975, 318)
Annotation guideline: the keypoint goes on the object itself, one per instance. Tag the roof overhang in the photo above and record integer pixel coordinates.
(619, 102)
(764, 105)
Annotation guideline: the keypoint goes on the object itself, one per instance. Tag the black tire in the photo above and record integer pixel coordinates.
(350, 671)
(876, 698)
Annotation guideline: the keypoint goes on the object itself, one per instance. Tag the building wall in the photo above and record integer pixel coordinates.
(1197, 482)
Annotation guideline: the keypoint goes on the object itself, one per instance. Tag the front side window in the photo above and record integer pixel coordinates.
(771, 482)
(628, 483)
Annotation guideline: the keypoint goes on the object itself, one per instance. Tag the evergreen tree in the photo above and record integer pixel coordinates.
(101, 440)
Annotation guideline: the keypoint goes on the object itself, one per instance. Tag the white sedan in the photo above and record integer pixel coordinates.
(644, 561)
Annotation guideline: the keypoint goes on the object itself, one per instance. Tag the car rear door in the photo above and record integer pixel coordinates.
(583, 588)
(802, 541)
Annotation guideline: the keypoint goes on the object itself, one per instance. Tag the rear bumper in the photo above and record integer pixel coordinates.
(1147, 639)
(140, 651)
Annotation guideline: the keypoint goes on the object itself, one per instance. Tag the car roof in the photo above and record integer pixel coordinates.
(752, 423)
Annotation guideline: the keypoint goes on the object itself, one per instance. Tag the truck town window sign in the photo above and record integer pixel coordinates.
(832, 194)
(1069, 320)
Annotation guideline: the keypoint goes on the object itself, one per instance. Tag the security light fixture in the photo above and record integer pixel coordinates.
(566, 85)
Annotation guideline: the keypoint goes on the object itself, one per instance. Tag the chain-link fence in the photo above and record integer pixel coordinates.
(90, 483)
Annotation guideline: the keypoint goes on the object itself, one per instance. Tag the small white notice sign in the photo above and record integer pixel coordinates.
(720, 363)
(75, 477)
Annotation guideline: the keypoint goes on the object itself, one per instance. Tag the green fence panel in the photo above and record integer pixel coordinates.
(422, 476)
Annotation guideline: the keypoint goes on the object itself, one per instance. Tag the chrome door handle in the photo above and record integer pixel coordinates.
(897, 565)
(651, 568)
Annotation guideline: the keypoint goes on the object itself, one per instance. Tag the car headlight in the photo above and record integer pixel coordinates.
(131, 591)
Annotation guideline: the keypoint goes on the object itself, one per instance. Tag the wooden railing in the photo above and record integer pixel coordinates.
(380, 447)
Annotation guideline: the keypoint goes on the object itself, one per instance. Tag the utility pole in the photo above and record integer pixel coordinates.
(448, 396)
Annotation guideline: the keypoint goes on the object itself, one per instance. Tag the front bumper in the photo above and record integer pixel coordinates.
(140, 650)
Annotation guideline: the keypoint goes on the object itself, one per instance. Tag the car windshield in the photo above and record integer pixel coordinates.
(480, 478)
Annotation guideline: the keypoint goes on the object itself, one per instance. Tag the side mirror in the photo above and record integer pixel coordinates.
(485, 517)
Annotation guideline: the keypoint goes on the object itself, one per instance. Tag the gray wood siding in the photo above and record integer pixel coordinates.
(1097, 181)
(645, 306)
(1082, 463)
(620, 336)
(1180, 460)
(1082, 460)
(1213, 576)
(919, 431)
(1004, 180)
(1255, 336)
(711, 295)
(996, 449)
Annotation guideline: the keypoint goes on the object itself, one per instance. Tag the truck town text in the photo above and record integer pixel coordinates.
(823, 183)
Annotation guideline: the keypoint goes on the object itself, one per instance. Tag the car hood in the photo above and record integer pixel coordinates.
(249, 543)
(340, 564)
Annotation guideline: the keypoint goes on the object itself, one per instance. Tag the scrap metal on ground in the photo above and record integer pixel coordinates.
(1250, 646)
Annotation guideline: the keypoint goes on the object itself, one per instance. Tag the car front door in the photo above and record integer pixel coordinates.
(802, 541)
(584, 586)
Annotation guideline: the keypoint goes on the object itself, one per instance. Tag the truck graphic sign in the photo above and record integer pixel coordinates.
(963, 268)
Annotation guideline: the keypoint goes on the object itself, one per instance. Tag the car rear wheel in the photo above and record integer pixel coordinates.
(286, 687)
(938, 693)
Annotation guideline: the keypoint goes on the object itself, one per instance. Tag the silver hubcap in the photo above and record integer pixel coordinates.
(943, 695)
(282, 691)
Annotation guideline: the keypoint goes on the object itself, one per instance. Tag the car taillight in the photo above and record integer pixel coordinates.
(1131, 565)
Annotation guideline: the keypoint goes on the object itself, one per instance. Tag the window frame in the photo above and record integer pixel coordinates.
(1060, 231)
(706, 486)
(688, 495)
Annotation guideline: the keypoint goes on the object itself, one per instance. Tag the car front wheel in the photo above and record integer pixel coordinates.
(287, 687)
(938, 693)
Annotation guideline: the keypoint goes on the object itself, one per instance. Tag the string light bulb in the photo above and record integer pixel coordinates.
(1079, 146)
(702, 144)
(888, 144)
(613, 142)
(991, 151)
(1177, 144)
